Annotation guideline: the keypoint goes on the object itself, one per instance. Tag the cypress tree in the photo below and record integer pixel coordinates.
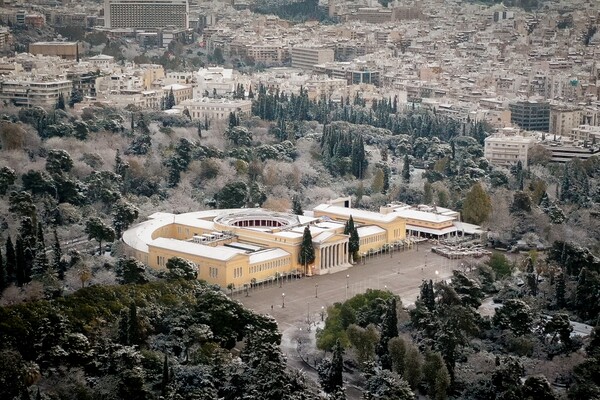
(337, 366)
(20, 262)
(354, 243)
(133, 326)
(427, 295)
(11, 262)
(349, 227)
(297, 206)
(29, 256)
(57, 263)
(389, 330)
(165, 377)
(307, 251)
(40, 264)
(406, 169)
(561, 288)
(3, 278)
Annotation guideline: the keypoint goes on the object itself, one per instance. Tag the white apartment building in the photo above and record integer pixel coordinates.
(146, 14)
(214, 80)
(42, 91)
(215, 109)
(507, 150)
(585, 133)
(308, 57)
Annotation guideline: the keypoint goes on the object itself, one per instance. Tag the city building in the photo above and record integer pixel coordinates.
(42, 91)
(66, 50)
(214, 81)
(565, 152)
(585, 133)
(214, 109)
(531, 115)
(563, 119)
(146, 14)
(308, 57)
(238, 246)
(180, 92)
(507, 149)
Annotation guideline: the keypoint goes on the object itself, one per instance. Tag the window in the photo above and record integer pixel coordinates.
(213, 272)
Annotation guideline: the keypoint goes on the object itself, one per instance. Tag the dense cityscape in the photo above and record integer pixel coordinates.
(263, 199)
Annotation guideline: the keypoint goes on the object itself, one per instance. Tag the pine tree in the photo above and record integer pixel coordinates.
(60, 103)
(199, 130)
(297, 205)
(120, 165)
(11, 262)
(477, 205)
(333, 377)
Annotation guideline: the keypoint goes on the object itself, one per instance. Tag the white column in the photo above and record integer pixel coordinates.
(321, 258)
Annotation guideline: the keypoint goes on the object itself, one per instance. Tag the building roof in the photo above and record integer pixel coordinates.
(369, 230)
(423, 215)
(266, 255)
(356, 213)
(432, 231)
(220, 253)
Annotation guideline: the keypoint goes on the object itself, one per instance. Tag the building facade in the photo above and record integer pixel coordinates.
(308, 57)
(564, 119)
(507, 150)
(66, 50)
(146, 14)
(531, 115)
(215, 109)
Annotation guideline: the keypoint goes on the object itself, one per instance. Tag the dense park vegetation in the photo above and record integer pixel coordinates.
(445, 348)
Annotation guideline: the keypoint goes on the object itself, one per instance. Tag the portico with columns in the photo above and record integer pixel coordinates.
(332, 253)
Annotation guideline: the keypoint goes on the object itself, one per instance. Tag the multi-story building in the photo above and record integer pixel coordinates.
(563, 119)
(180, 92)
(369, 15)
(531, 115)
(585, 133)
(213, 81)
(507, 150)
(42, 91)
(215, 109)
(353, 73)
(565, 152)
(146, 14)
(308, 57)
(66, 50)
(4, 37)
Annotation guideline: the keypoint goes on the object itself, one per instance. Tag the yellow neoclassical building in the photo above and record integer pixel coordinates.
(243, 246)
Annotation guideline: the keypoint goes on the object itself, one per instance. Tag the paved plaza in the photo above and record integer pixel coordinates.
(307, 298)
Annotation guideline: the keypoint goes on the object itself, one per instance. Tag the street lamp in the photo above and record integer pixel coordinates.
(322, 313)
(282, 300)
(347, 285)
(316, 290)
(436, 274)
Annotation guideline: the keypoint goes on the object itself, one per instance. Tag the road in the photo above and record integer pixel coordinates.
(300, 300)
